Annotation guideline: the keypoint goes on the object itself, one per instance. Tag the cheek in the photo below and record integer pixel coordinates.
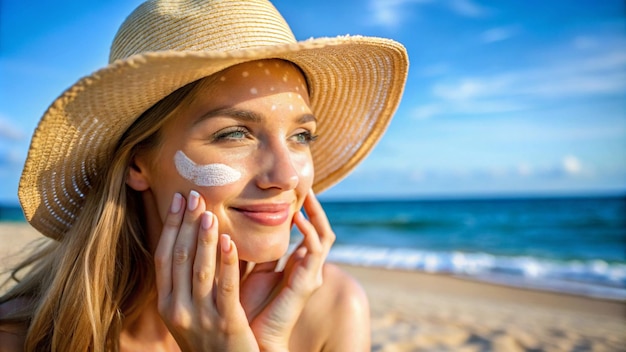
(216, 182)
(216, 197)
(210, 175)
(304, 167)
(305, 176)
(217, 194)
(163, 185)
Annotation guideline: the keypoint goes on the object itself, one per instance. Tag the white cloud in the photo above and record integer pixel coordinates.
(10, 158)
(434, 70)
(470, 88)
(416, 175)
(426, 111)
(9, 131)
(584, 42)
(390, 13)
(524, 169)
(498, 34)
(601, 74)
(466, 107)
(470, 96)
(468, 8)
(571, 165)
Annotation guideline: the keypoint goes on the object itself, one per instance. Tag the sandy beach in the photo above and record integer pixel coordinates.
(424, 312)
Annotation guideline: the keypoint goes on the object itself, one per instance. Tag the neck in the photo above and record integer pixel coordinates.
(147, 331)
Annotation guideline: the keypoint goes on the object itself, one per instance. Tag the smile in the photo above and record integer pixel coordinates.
(265, 214)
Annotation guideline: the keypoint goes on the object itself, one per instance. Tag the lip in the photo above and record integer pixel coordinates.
(267, 214)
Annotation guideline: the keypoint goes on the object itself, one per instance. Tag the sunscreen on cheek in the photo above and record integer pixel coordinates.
(205, 175)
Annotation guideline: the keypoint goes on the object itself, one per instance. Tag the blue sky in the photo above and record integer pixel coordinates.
(503, 97)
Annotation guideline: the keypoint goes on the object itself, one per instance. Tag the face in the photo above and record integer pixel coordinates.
(243, 143)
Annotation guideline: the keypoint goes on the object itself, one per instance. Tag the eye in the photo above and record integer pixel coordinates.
(231, 133)
(304, 138)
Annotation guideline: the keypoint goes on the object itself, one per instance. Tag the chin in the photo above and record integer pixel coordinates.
(262, 251)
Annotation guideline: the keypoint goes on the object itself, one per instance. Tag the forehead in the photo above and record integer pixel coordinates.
(266, 87)
(262, 77)
(268, 68)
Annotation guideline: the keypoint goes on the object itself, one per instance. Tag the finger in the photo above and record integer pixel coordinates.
(311, 240)
(297, 253)
(295, 257)
(185, 248)
(205, 259)
(228, 283)
(163, 253)
(318, 218)
(313, 259)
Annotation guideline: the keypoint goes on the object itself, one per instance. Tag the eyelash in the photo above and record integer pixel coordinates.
(308, 137)
(226, 135)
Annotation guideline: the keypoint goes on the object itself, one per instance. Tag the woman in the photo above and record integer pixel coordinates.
(170, 180)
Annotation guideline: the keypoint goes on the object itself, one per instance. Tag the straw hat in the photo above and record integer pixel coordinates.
(355, 85)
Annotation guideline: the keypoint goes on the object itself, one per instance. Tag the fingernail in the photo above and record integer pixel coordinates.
(207, 220)
(194, 199)
(225, 243)
(176, 203)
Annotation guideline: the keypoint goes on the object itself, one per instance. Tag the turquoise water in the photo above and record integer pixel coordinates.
(574, 245)
(11, 213)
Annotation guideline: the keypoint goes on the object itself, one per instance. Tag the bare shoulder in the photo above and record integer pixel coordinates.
(337, 314)
(342, 292)
(12, 336)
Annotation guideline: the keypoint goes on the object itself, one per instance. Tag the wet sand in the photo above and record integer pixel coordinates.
(424, 312)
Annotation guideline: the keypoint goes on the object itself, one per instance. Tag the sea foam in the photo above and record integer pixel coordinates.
(595, 278)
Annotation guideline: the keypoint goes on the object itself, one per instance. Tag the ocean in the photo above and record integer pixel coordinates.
(568, 245)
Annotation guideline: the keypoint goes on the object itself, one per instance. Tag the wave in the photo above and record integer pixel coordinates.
(593, 278)
(396, 223)
(469, 221)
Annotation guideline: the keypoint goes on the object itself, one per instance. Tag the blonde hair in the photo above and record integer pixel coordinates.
(77, 292)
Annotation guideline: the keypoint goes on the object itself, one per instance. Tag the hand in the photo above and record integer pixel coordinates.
(273, 300)
(199, 303)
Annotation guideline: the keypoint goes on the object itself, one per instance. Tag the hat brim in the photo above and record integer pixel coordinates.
(355, 85)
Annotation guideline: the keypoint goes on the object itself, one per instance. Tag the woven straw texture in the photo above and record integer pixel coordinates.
(355, 86)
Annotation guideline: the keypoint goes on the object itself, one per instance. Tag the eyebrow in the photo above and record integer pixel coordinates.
(246, 115)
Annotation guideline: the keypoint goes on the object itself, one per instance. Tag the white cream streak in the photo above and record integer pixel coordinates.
(205, 175)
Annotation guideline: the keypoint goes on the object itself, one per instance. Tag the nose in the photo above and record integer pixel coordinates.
(278, 169)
